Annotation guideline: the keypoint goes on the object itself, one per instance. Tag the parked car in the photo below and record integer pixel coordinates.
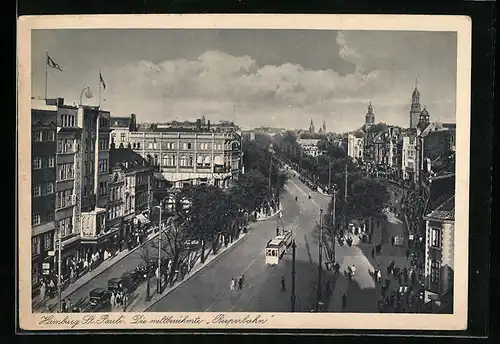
(128, 282)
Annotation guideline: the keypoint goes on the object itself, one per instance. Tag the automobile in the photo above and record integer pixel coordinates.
(99, 300)
(128, 282)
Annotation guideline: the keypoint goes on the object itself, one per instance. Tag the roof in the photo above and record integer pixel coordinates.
(123, 155)
(119, 121)
(444, 211)
(43, 117)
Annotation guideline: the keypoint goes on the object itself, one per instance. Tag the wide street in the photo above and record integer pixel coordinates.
(362, 293)
(208, 290)
(128, 263)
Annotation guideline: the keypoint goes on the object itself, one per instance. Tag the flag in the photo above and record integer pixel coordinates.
(102, 81)
(52, 64)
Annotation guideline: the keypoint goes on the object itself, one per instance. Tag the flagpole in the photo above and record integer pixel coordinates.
(46, 72)
(99, 93)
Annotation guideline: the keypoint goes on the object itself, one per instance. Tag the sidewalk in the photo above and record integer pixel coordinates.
(47, 303)
(138, 302)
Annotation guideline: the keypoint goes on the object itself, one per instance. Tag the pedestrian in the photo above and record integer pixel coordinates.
(383, 290)
(63, 306)
(344, 301)
(125, 301)
(112, 300)
(379, 276)
(69, 306)
(231, 285)
(42, 291)
(407, 253)
(392, 240)
(283, 286)
(373, 252)
(240, 282)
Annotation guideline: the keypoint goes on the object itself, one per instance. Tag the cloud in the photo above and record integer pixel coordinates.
(280, 95)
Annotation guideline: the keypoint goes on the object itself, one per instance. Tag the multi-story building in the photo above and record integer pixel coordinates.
(120, 129)
(130, 191)
(191, 156)
(95, 235)
(355, 145)
(68, 184)
(310, 147)
(43, 183)
(439, 252)
(409, 156)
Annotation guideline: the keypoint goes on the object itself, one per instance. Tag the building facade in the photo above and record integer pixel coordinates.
(191, 156)
(43, 184)
(120, 128)
(355, 145)
(310, 147)
(409, 157)
(439, 250)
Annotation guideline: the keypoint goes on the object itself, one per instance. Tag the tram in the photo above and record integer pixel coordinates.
(276, 248)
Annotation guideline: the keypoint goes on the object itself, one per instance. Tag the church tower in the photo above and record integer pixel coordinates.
(324, 127)
(370, 117)
(311, 127)
(415, 109)
(423, 120)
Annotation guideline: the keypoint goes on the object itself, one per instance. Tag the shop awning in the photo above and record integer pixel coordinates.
(142, 219)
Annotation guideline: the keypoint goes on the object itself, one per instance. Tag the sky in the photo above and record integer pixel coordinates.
(276, 78)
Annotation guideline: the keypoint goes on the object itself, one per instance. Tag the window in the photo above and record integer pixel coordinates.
(50, 135)
(49, 188)
(122, 137)
(435, 266)
(37, 136)
(47, 241)
(138, 145)
(150, 145)
(37, 163)
(183, 161)
(65, 226)
(35, 245)
(37, 190)
(50, 161)
(103, 166)
(170, 145)
(103, 189)
(103, 144)
(435, 237)
(35, 219)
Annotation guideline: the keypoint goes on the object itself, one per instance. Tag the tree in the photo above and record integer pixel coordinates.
(146, 257)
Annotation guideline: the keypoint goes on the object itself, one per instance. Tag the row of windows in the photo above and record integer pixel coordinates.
(64, 199)
(65, 226)
(103, 144)
(66, 146)
(44, 135)
(65, 171)
(115, 193)
(435, 267)
(114, 212)
(43, 189)
(43, 162)
(68, 120)
(88, 167)
(183, 146)
(36, 242)
(103, 188)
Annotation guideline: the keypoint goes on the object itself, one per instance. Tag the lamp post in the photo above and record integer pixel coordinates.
(158, 280)
(271, 150)
(88, 94)
(320, 258)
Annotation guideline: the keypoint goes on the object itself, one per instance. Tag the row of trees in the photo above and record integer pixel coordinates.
(364, 198)
(199, 219)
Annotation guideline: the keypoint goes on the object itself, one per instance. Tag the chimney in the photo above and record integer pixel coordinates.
(60, 101)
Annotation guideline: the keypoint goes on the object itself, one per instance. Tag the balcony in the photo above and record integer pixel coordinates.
(221, 169)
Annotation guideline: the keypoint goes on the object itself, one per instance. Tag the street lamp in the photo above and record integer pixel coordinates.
(88, 94)
(271, 150)
(158, 279)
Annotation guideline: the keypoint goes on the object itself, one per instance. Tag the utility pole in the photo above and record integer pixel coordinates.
(270, 169)
(320, 260)
(149, 197)
(158, 280)
(293, 297)
(333, 222)
(345, 199)
(329, 175)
